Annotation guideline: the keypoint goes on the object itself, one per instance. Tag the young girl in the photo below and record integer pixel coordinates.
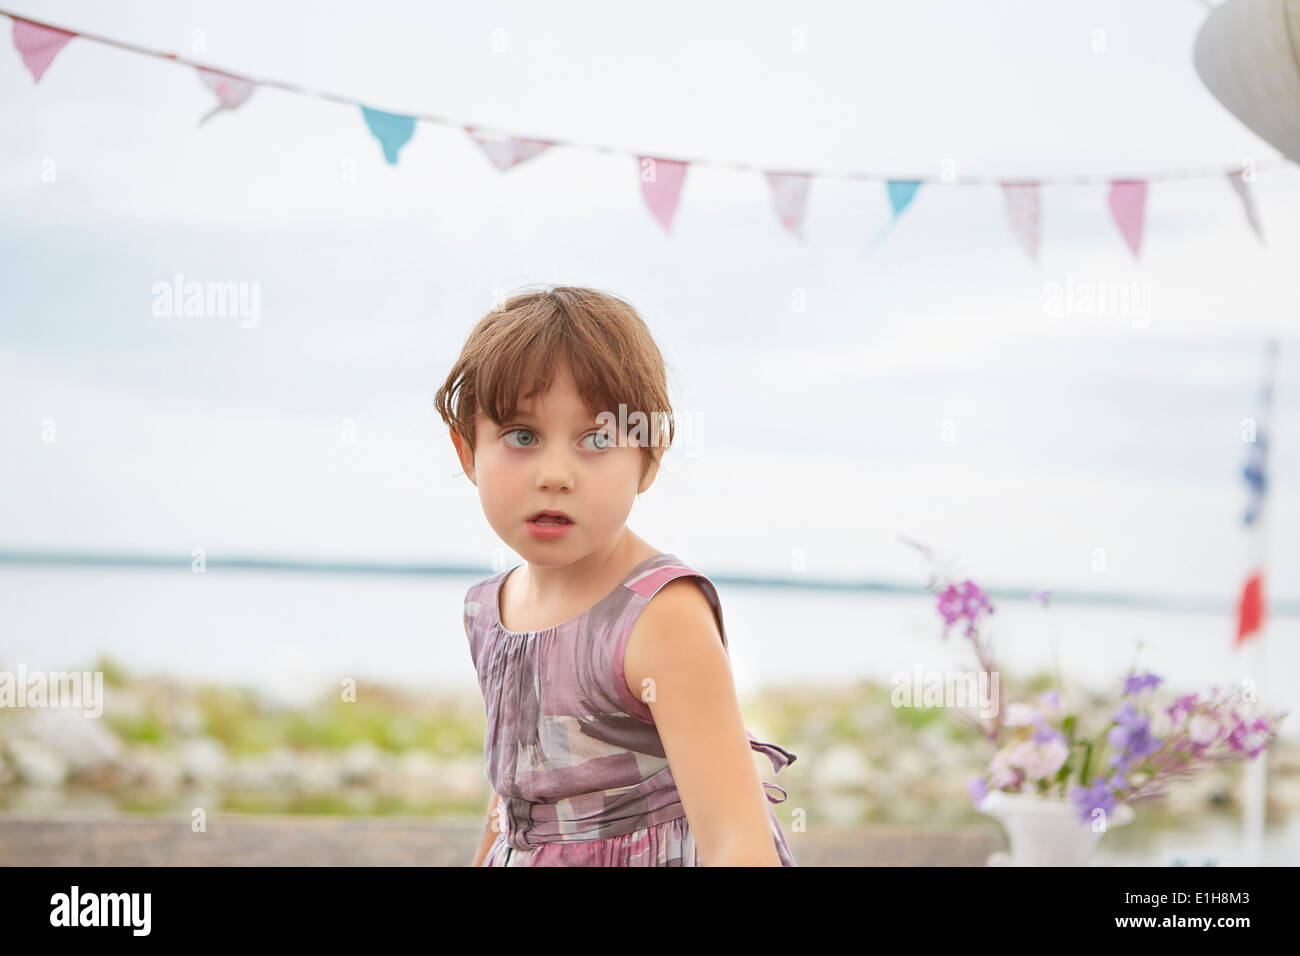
(614, 736)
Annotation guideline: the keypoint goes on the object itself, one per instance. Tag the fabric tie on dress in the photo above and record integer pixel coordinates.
(779, 756)
(599, 814)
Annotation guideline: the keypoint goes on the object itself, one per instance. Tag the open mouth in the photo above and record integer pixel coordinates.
(551, 518)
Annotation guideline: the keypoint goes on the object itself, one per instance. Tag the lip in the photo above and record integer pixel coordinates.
(546, 531)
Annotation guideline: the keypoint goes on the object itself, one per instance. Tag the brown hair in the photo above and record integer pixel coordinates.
(605, 344)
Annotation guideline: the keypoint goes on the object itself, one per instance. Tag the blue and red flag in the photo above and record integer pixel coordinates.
(1252, 607)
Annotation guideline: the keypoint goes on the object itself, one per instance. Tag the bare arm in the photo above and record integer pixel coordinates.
(489, 832)
(493, 828)
(676, 642)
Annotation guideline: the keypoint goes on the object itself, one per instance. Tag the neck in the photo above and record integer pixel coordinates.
(600, 570)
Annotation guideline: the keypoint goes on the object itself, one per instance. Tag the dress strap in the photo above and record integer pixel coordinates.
(646, 582)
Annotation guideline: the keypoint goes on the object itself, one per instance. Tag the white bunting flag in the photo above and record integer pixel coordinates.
(1023, 212)
(1247, 200)
(232, 91)
(790, 197)
(507, 151)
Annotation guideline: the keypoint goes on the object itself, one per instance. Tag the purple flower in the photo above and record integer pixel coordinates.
(965, 602)
(950, 605)
(1042, 597)
(1050, 700)
(1136, 683)
(1132, 737)
(1045, 732)
(1182, 707)
(1264, 731)
(978, 789)
(1100, 796)
(1241, 737)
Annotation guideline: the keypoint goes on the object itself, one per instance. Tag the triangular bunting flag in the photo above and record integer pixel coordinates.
(1127, 204)
(1022, 210)
(1247, 200)
(901, 193)
(391, 129)
(661, 185)
(39, 45)
(232, 91)
(507, 151)
(789, 196)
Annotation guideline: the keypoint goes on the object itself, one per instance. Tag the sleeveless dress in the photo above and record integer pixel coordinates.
(574, 756)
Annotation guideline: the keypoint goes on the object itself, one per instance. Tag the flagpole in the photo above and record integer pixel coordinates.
(1256, 776)
(1256, 783)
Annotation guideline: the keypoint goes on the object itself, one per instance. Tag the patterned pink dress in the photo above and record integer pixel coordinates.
(574, 755)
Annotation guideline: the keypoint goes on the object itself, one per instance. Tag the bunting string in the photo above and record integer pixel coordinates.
(662, 177)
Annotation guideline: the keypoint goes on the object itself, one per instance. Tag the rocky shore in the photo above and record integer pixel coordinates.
(166, 746)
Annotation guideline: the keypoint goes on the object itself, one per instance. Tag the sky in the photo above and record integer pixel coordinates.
(820, 379)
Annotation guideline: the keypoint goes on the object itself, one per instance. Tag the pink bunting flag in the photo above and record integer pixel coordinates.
(1022, 210)
(39, 45)
(1248, 200)
(661, 185)
(507, 151)
(790, 196)
(1127, 204)
(232, 91)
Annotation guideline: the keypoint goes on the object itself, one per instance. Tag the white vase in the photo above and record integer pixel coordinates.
(1046, 831)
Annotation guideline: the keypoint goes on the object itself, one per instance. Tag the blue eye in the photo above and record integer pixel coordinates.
(603, 440)
(527, 445)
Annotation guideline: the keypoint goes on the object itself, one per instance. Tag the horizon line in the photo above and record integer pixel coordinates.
(1284, 608)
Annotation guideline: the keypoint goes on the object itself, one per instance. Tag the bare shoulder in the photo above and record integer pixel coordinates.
(675, 631)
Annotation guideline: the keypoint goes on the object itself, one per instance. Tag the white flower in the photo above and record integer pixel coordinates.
(1039, 760)
(1203, 730)
(1049, 704)
(1000, 772)
(1019, 715)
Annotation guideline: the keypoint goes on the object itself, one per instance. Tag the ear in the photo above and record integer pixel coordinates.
(648, 478)
(465, 454)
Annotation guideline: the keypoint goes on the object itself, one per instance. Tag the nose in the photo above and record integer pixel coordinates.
(555, 471)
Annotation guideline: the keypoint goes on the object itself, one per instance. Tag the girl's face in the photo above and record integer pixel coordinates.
(554, 456)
